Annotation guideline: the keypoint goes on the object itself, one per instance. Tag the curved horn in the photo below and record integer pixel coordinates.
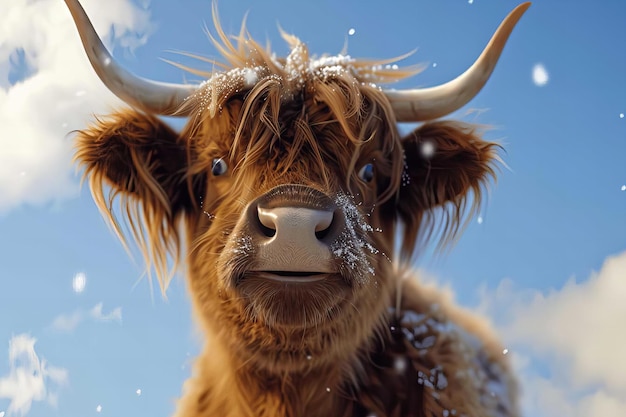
(430, 103)
(151, 96)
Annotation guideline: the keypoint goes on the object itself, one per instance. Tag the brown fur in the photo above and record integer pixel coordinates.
(315, 126)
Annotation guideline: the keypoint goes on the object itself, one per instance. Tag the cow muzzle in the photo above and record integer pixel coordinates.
(294, 227)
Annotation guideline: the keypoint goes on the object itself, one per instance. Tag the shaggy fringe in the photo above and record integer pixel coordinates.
(358, 111)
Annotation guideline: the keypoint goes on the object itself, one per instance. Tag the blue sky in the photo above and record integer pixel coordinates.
(545, 261)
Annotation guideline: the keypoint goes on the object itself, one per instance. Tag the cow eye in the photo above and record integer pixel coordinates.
(366, 173)
(219, 167)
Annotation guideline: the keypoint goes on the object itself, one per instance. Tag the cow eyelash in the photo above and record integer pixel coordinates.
(219, 167)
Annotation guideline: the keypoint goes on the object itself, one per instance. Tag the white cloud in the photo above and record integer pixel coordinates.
(568, 343)
(66, 323)
(59, 94)
(114, 315)
(29, 378)
(540, 75)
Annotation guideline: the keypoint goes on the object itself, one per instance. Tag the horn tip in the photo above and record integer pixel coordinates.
(521, 8)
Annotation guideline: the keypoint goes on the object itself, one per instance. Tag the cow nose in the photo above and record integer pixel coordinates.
(293, 228)
(295, 239)
(295, 223)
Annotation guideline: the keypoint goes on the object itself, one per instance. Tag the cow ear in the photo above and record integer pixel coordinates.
(446, 162)
(138, 159)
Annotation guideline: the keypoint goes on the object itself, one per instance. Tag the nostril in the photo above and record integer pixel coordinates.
(322, 233)
(267, 231)
(322, 229)
(267, 222)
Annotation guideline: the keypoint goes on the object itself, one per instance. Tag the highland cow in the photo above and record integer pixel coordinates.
(284, 197)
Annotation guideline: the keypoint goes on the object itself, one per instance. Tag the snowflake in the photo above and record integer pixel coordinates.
(427, 149)
(540, 75)
(78, 283)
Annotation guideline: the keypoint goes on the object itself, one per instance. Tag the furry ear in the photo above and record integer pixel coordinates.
(143, 162)
(445, 161)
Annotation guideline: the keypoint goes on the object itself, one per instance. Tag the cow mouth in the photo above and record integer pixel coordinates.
(293, 277)
(293, 299)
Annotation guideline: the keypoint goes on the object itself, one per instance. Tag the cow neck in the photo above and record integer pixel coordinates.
(243, 390)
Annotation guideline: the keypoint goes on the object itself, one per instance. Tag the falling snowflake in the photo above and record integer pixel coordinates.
(427, 149)
(1, 413)
(98, 408)
(351, 32)
(623, 187)
(540, 75)
(480, 219)
(434, 64)
(621, 115)
(505, 351)
(79, 282)
(399, 364)
(470, 1)
(138, 392)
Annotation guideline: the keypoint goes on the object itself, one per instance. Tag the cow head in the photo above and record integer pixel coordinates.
(287, 185)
